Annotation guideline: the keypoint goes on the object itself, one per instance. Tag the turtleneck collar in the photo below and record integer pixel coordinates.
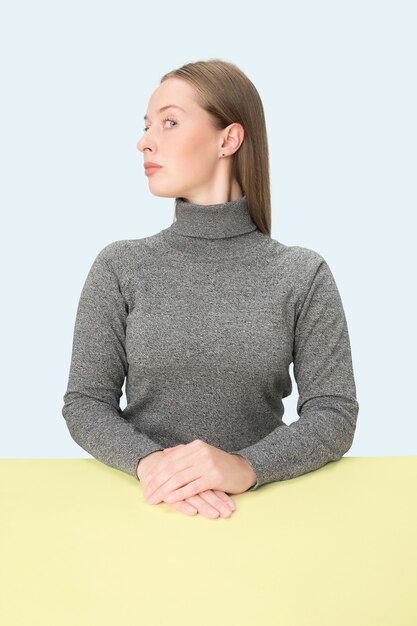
(213, 221)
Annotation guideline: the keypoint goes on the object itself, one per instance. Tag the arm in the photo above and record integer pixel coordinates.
(97, 373)
(327, 403)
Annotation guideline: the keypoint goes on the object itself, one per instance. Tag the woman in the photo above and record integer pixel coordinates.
(204, 318)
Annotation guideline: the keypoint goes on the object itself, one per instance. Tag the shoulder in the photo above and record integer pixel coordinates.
(305, 261)
(119, 255)
(299, 262)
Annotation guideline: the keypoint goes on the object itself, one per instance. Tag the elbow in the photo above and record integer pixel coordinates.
(71, 421)
(74, 411)
(345, 433)
(78, 429)
(344, 446)
(335, 429)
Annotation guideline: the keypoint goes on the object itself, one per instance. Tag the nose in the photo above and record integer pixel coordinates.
(144, 142)
(141, 145)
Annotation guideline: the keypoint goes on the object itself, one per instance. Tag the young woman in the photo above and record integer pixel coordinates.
(204, 318)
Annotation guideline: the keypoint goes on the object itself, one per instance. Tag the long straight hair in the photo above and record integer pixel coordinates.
(227, 94)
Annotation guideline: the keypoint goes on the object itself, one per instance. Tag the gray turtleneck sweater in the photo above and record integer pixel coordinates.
(203, 320)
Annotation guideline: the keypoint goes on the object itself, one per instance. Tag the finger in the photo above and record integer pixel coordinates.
(225, 498)
(178, 480)
(203, 507)
(164, 464)
(178, 489)
(166, 485)
(185, 507)
(190, 488)
(216, 502)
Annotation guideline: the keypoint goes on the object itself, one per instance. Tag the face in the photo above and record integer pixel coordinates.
(185, 142)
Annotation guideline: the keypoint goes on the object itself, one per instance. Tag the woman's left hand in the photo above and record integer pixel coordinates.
(189, 469)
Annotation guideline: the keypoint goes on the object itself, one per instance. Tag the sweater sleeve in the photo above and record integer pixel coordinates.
(97, 373)
(327, 404)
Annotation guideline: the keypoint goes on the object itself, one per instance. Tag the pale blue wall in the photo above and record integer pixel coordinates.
(337, 80)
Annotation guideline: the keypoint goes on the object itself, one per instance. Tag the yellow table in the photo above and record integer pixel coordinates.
(80, 545)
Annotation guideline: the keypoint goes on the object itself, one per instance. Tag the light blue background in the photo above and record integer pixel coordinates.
(338, 84)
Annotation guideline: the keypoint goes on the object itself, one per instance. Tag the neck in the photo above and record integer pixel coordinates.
(213, 221)
(217, 194)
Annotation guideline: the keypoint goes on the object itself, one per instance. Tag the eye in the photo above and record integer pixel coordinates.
(167, 119)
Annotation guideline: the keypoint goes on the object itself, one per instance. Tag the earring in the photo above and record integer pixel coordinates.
(223, 154)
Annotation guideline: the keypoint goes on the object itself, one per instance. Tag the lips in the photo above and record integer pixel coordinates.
(149, 171)
(149, 165)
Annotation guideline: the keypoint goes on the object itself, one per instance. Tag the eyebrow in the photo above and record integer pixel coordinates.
(167, 106)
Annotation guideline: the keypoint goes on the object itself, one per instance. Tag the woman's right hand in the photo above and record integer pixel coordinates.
(210, 503)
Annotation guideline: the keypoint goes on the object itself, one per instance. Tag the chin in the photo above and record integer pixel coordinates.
(165, 193)
(162, 194)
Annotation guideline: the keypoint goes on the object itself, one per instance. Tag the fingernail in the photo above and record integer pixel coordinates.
(231, 505)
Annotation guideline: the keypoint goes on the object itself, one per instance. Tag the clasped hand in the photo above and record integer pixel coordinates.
(189, 469)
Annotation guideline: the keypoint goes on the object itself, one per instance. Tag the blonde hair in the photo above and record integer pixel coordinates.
(227, 94)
